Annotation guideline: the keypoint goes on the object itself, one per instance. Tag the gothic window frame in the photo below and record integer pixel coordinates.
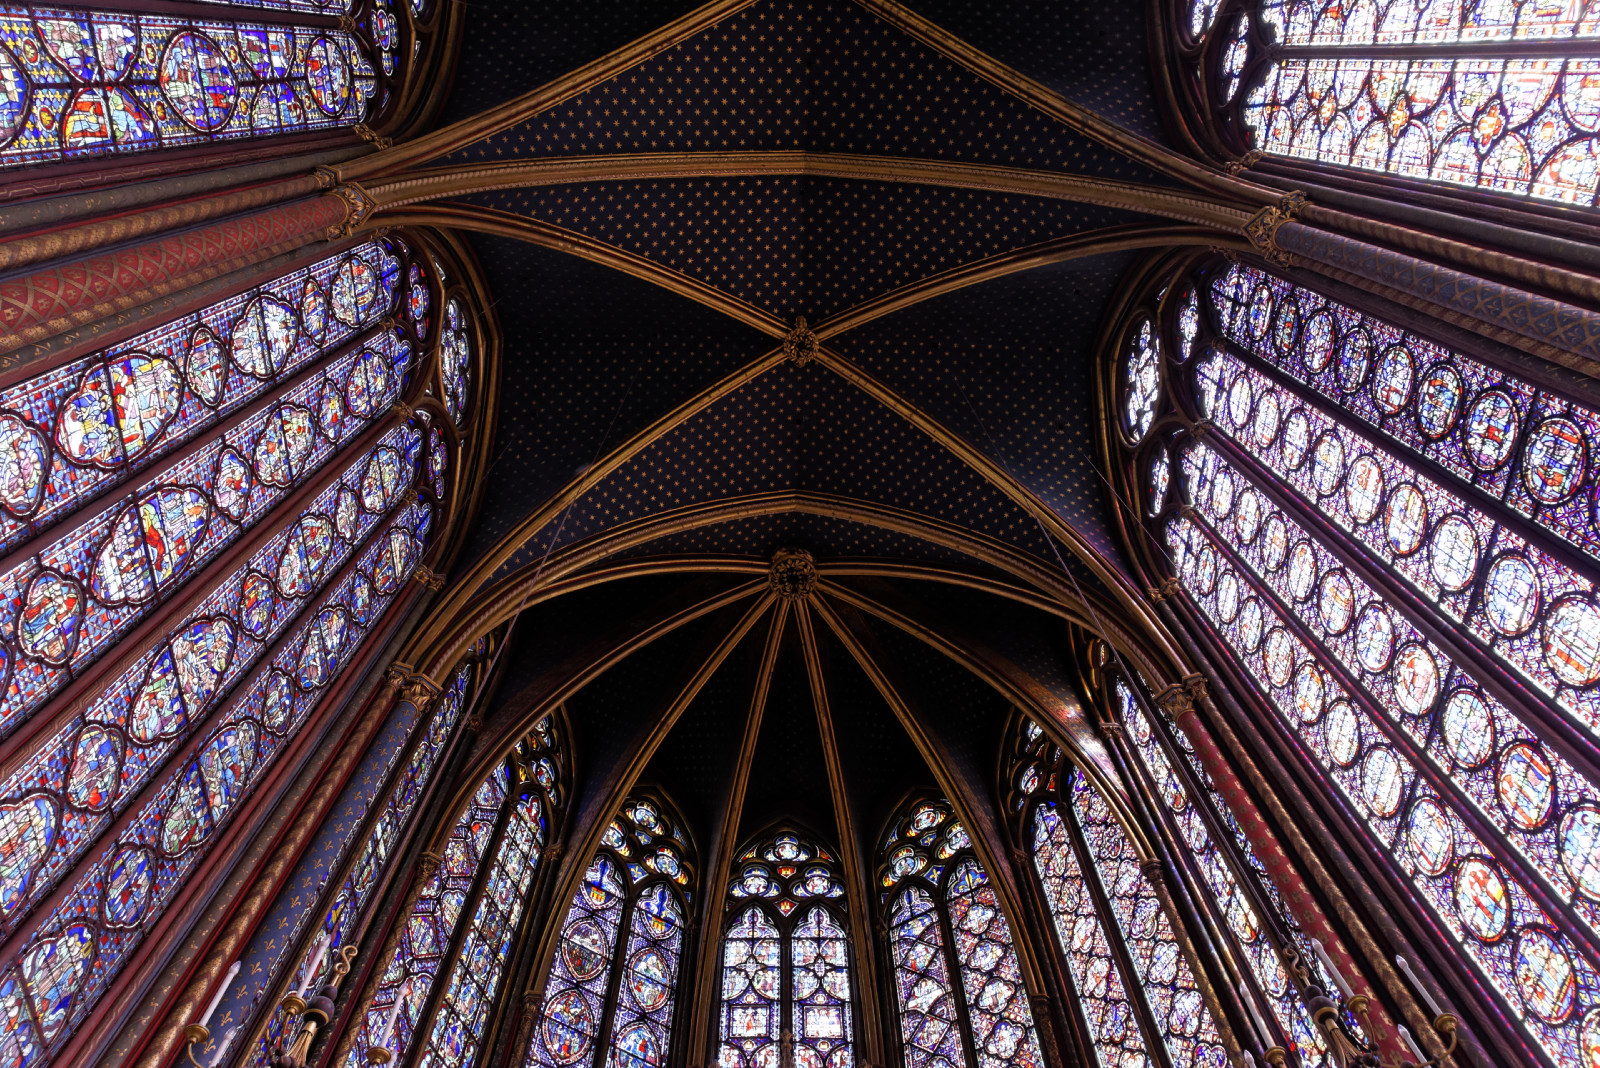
(1221, 51)
(915, 857)
(623, 849)
(758, 882)
(407, 532)
(1428, 774)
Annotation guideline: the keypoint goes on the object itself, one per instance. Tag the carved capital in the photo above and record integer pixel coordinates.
(793, 574)
(473, 723)
(1153, 871)
(800, 345)
(530, 1001)
(327, 177)
(428, 577)
(1244, 162)
(402, 409)
(1263, 227)
(1202, 429)
(358, 208)
(1176, 702)
(396, 675)
(367, 134)
(1195, 685)
(1226, 253)
(428, 866)
(1168, 588)
(420, 689)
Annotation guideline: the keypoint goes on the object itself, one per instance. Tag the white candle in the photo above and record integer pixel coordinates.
(1249, 1061)
(216, 999)
(1327, 964)
(227, 1042)
(1255, 1015)
(316, 964)
(1416, 983)
(394, 1014)
(1411, 1044)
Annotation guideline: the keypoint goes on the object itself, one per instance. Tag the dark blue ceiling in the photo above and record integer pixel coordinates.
(592, 356)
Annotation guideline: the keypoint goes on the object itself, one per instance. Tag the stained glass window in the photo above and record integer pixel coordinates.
(1397, 543)
(1141, 381)
(959, 987)
(1473, 94)
(504, 824)
(76, 84)
(785, 960)
(455, 359)
(621, 941)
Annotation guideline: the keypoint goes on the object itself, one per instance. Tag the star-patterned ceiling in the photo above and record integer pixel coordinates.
(593, 356)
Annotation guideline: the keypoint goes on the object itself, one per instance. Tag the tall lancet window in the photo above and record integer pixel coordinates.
(609, 995)
(205, 521)
(84, 82)
(437, 989)
(1492, 96)
(786, 997)
(1393, 538)
(962, 999)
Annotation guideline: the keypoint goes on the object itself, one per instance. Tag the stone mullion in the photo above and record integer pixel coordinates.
(953, 966)
(192, 907)
(381, 927)
(464, 921)
(1133, 986)
(1061, 991)
(1278, 794)
(1211, 951)
(42, 909)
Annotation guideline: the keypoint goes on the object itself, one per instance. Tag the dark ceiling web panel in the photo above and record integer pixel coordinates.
(1008, 365)
(788, 774)
(794, 428)
(825, 76)
(803, 246)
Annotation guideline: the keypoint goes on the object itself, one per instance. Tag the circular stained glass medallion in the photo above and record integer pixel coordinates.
(1327, 463)
(1308, 693)
(649, 979)
(1439, 401)
(1247, 520)
(1481, 899)
(1250, 624)
(1363, 489)
(1316, 341)
(1336, 601)
(1375, 637)
(1491, 430)
(1544, 975)
(1286, 328)
(569, 1027)
(1355, 358)
(1240, 401)
(1429, 835)
(1296, 439)
(1302, 570)
(1511, 595)
(1279, 656)
(1343, 734)
(1264, 430)
(1580, 848)
(1572, 641)
(1392, 379)
(1382, 781)
(1228, 597)
(1555, 461)
(1468, 728)
(585, 948)
(1274, 543)
(1405, 519)
(1526, 785)
(1416, 679)
(1454, 553)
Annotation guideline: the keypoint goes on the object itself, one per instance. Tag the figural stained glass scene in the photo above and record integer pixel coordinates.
(853, 534)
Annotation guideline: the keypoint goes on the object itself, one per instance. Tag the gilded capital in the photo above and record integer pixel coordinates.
(428, 866)
(428, 577)
(1168, 588)
(1175, 701)
(358, 208)
(1263, 227)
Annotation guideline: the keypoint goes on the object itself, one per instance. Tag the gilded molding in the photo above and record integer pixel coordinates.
(1262, 228)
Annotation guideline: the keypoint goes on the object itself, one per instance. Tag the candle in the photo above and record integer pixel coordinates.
(216, 999)
(1433, 1005)
(316, 964)
(1255, 1016)
(1411, 1044)
(394, 1014)
(227, 1043)
(1327, 964)
(1249, 1061)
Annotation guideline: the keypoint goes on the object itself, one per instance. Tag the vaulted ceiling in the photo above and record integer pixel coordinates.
(981, 421)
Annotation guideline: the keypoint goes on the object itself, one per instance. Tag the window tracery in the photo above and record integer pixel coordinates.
(1491, 96)
(85, 83)
(610, 992)
(466, 915)
(252, 434)
(960, 990)
(786, 993)
(1068, 829)
(1395, 541)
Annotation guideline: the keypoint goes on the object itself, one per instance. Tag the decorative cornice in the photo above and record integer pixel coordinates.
(1263, 227)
